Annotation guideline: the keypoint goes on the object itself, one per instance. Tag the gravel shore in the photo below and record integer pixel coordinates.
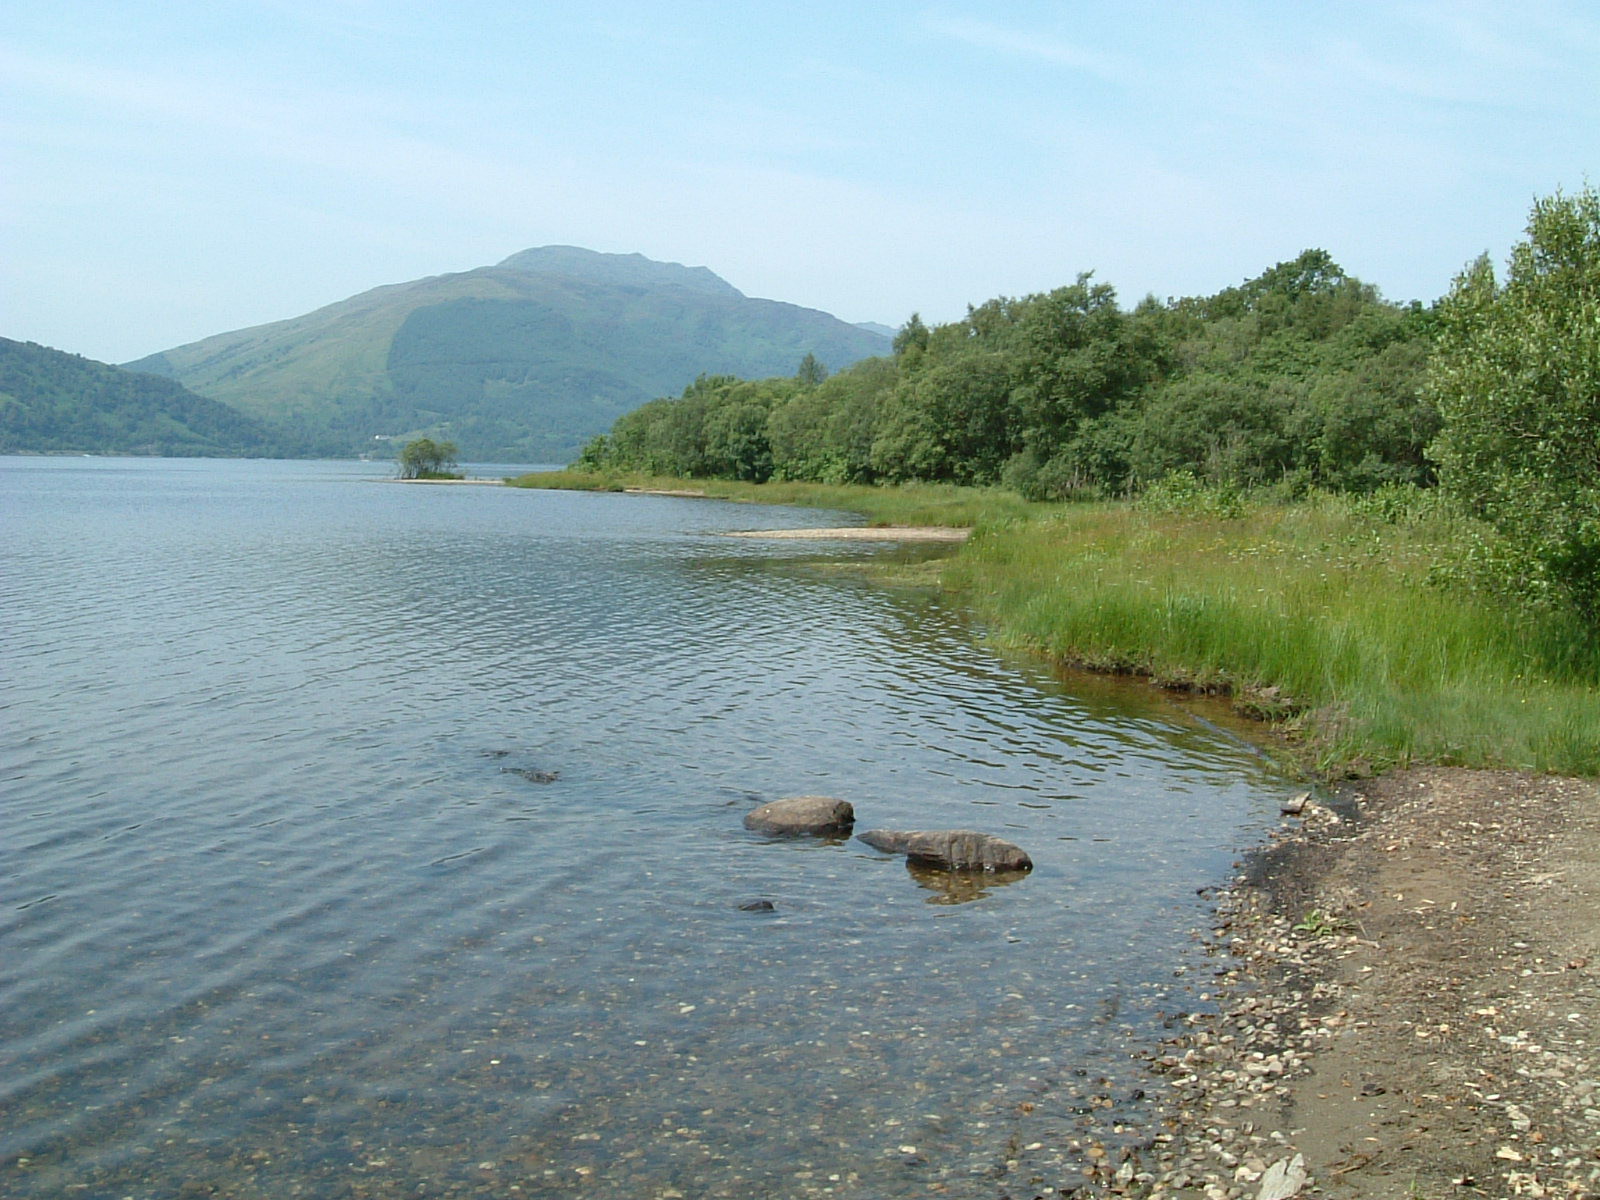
(1407, 1005)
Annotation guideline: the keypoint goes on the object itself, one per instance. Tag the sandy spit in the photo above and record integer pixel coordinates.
(863, 533)
(454, 482)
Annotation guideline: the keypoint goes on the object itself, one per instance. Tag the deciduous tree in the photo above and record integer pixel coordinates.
(1516, 379)
(424, 458)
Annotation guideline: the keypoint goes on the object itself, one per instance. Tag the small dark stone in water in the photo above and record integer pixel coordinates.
(758, 906)
(532, 774)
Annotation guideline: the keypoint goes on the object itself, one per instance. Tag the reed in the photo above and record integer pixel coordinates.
(1320, 616)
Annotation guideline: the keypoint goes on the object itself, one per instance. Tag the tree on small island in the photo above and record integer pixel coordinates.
(424, 458)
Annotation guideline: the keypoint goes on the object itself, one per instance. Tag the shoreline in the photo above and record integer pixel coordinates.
(1407, 990)
(477, 482)
(1405, 1003)
(862, 533)
(1406, 978)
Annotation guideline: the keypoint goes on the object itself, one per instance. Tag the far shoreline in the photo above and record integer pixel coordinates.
(843, 533)
(476, 482)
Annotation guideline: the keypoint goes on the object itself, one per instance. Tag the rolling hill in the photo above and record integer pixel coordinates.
(522, 361)
(52, 402)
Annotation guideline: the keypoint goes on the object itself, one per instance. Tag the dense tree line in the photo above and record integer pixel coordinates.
(1302, 376)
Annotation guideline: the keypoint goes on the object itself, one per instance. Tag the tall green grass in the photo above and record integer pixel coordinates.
(1318, 614)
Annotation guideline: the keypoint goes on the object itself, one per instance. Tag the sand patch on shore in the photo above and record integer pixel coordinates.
(863, 533)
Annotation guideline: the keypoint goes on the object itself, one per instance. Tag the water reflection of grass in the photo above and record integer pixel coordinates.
(1318, 615)
(904, 504)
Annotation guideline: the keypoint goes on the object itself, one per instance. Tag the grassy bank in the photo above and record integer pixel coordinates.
(1318, 615)
(905, 504)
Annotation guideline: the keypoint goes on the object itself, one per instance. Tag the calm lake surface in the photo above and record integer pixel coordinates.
(278, 915)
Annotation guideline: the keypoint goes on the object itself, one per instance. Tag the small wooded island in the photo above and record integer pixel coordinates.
(426, 459)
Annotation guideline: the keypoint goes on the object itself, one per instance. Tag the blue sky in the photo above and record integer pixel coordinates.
(176, 169)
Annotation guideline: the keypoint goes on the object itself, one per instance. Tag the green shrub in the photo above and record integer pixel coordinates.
(1184, 493)
(1516, 378)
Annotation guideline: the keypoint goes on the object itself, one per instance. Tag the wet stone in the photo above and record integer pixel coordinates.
(951, 849)
(801, 815)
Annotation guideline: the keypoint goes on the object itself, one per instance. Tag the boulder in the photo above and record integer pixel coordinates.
(951, 849)
(803, 815)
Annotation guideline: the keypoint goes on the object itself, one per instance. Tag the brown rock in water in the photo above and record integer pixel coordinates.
(803, 815)
(951, 849)
(532, 774)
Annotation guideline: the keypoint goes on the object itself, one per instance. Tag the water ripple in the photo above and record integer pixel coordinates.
(271, 902)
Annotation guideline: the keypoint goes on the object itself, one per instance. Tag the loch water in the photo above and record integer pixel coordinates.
(374, 841)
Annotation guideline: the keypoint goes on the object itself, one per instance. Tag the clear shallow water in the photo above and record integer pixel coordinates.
(278, 916)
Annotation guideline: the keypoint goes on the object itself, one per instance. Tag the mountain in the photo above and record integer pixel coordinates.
(877, 327)
(523, 361)
(53, 402)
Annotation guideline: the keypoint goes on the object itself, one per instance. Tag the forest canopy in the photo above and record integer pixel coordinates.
(52, 402)
(1303, 376)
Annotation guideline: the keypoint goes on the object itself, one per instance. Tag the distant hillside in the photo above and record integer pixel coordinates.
(55, 402)
(522, 361)
(877, 327)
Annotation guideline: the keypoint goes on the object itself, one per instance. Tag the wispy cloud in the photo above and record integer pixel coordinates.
(1496, 40)
(1022, 43)
(361, 18)
(360, 131)
(124, 95)
(299, 150)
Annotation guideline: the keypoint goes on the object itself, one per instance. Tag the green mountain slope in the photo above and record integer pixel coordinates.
(54, 402)
(522, 361)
